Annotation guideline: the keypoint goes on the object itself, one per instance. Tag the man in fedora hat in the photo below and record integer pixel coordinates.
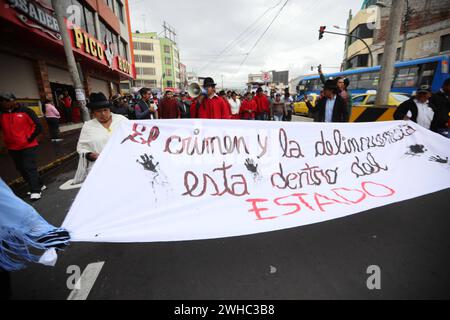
(213, 106)
(95, 133)
(332, 107)
(420, 110)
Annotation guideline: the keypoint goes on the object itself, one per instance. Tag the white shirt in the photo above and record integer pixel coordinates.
(235, 105)
(329, 109)
(424, 114)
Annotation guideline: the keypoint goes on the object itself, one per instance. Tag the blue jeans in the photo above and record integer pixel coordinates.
(277, 118)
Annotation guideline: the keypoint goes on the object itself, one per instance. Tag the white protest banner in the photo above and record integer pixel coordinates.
(168, 180)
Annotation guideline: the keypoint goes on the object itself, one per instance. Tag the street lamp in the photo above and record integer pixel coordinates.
(409, 11)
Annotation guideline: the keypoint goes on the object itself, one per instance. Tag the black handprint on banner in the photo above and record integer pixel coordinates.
(416, 150)
(147, 163)
(250, 165)
(438, 159)
(253, 168)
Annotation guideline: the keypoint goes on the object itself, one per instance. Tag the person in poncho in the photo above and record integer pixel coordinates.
(95, 134)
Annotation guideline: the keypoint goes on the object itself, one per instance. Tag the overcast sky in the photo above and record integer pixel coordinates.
(206, 27)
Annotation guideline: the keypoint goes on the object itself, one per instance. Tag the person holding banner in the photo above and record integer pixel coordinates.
(332, 107)
(95, 133)
(422, 111)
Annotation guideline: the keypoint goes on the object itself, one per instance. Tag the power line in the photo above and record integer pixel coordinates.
(262, 35)
(236, 40)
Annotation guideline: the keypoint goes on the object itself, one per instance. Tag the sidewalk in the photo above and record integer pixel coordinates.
(50, 155)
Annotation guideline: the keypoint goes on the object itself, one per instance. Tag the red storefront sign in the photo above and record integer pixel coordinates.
(39, 19)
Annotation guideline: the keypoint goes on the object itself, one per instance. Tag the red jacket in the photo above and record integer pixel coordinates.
(168, 109)
(214, 108)
(263, 104)
(245, 106)
(20, 128)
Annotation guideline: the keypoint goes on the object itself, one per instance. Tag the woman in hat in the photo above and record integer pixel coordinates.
(95, 133)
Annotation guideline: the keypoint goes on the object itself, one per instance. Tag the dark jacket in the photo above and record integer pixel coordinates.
(20, 128)
(142, 109)
(439, 119)
(441, 101)
(340, 110)
(185, 108)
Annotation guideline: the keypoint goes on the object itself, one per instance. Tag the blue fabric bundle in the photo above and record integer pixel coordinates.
(22, 228)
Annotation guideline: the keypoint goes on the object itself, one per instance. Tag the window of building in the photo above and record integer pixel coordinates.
(119, 10)
(102, 31)
(148, 59)
(361, 60)
(146, 46)
(361, 31)
(168, 72)
(110, 4)
(123, 49)
(90, 24)
(146, 71)
(136, 45)
(168, 61)
(445, 43)
(379, 58)
(167, 49)
(169, 83)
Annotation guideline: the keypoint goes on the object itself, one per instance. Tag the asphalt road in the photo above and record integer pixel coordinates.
(409, 241)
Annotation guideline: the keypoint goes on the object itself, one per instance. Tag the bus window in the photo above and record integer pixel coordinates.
(368, 80)
(406, 77)
(427, 73)
(353, 78)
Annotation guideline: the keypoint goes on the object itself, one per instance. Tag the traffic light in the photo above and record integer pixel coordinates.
(321, 31)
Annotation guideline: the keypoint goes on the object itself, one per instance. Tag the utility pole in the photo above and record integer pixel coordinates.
(58, 6)
(390, 49)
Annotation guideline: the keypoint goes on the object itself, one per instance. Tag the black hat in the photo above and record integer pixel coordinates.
(7, 96)
(259, 90)
(208, 82)
(98, 100)
(424, 89)
(330, 85)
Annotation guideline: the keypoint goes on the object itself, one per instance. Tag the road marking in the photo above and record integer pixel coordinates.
(86, 281)
(68, 185)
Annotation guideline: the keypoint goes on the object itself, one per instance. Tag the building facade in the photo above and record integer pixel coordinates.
(147, 59)
(157, 62)
(427, 23)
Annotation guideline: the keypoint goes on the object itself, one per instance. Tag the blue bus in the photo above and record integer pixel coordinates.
(408, 76)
